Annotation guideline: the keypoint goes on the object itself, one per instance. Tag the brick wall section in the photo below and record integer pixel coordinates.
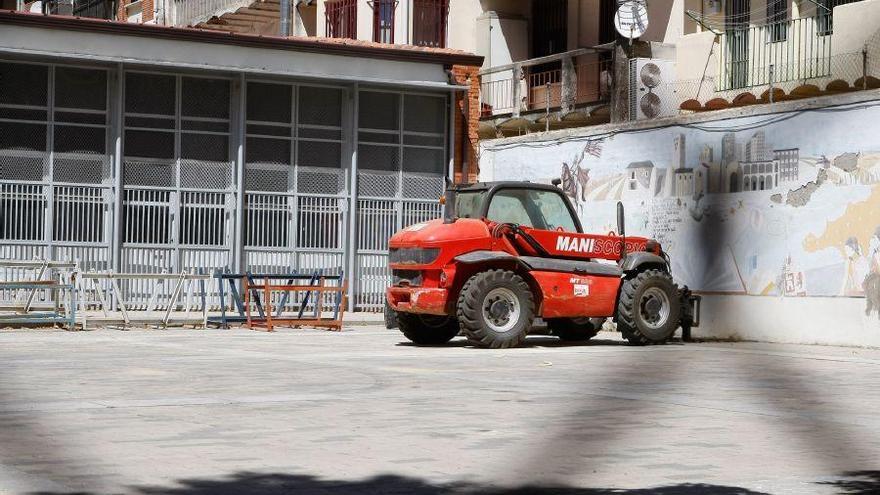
(461, 74)
(146, 5)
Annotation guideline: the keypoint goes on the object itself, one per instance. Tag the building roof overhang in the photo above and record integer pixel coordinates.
(106, 41)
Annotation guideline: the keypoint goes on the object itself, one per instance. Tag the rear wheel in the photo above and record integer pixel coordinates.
(496, 309)
(648, 310)
(575, 329)
(427, 329)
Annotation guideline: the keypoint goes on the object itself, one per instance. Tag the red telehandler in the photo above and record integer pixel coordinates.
(507, 252)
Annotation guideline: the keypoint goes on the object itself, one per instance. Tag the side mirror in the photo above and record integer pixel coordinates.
(621, 228)
(621, 225)
(448, 202)
(556, 182)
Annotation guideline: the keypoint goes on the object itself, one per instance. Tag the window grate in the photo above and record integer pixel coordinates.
(341, 19)
(383, 20)
(430, 19)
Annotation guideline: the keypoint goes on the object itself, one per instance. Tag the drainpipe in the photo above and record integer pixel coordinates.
(465, 133)
(285, 18)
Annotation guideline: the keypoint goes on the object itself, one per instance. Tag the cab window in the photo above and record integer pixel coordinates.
(545, 210)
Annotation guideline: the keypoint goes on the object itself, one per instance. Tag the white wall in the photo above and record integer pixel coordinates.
(501, 40)
(854, 24)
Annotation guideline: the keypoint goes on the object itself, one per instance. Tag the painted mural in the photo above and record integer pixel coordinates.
(783, 204)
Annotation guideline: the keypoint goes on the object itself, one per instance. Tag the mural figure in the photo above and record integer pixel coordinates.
(575, 177)
(856, 270)
(569, 186)
(872, 281)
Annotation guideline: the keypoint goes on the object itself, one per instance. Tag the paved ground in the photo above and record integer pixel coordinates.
(194, 412)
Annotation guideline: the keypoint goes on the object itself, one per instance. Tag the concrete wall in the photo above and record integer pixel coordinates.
(668, 22)
(781, 229)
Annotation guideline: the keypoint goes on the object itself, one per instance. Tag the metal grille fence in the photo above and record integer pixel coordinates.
(174, 184)
(177, 176)
(401, 157)
(54, 163)
(296, 195)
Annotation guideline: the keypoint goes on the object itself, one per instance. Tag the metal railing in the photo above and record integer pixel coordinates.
(581, 77)
(340, 19)
(796, 49)
(430, 22)
(189, 12)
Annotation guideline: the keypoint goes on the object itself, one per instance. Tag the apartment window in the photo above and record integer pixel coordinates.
(383, 20)
(430, 18)
(777, 18)
(341, 19)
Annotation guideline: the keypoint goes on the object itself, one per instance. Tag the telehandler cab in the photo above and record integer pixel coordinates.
(507, 252)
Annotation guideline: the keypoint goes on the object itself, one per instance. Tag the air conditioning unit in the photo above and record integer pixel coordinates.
(651, 88)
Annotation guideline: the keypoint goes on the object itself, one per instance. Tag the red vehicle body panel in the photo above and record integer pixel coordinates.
(572, 295)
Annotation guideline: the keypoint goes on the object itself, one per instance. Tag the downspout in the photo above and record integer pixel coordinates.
(285, 18)
(465, 135)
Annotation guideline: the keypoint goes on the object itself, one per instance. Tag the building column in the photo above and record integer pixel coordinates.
(117, 106)
(239, 96)
(351, 248)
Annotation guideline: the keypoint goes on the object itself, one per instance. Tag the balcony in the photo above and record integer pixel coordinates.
(569, 89)
(796, 58)
(797, 49)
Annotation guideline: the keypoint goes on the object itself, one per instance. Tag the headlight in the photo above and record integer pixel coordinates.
(413, 256)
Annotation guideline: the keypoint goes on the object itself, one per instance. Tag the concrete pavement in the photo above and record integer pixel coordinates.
(308, 411)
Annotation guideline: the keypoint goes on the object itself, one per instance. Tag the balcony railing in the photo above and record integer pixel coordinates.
(341, 19)
(581, 78)
(796, 49)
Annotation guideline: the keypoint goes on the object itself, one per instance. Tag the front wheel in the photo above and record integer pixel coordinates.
(648, 310)
(496, 309)
(427, 329)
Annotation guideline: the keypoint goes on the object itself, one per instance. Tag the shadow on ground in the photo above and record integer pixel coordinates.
(275, 483)
(857, 483)
(530, 342)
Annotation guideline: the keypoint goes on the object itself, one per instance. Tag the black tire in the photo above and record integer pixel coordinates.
(640, 296)
(474, 305)
(575, 329)
(390, 316)
(427, 329)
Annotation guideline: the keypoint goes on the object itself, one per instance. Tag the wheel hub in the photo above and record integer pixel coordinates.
(501, 309)
(654, 307)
